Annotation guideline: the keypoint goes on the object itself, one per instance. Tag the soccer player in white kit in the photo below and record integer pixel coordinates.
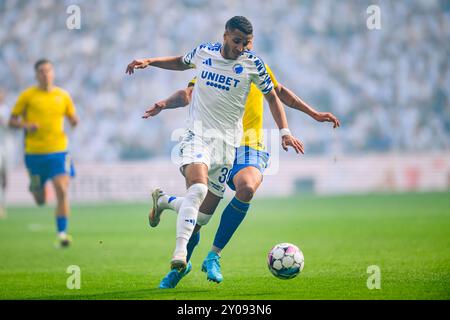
(214, 128)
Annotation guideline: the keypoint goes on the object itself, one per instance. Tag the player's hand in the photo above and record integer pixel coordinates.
(31, 127)
(137, 64)
(327, 117)
(288, 140)
(154, 110)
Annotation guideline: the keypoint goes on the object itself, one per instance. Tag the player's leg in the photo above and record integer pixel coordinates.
(196, 175)
(245, 178)
(190, 148)
(161, 202)
(62, 211)
(60, 170)
(206, 211)
(39, 194)
(246, 181)
(37, 171)
(217, 182)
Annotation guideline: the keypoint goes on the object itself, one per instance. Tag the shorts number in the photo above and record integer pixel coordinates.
(224, 175)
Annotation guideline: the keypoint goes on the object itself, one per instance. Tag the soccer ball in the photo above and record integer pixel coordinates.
(285, 261)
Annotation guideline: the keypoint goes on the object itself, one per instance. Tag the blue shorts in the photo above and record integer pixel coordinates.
(247, 157)
(43, 167)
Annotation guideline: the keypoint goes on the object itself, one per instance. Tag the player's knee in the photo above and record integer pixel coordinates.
(245, 191)
(198, 192)
(196, 180)
(60, 190)
(195, 173)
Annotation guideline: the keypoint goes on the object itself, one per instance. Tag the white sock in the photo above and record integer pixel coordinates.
(181, 243)
(187, 216)
(174, 204)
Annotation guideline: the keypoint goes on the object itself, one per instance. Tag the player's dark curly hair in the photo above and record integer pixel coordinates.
(241, 23)
(40, 62)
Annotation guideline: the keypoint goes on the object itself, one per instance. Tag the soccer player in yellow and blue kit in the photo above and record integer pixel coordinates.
(40, 111)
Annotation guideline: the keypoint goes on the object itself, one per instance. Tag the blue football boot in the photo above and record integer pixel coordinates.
(212, 267)
(174, 276)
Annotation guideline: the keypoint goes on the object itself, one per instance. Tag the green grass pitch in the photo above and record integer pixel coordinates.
(120, 257)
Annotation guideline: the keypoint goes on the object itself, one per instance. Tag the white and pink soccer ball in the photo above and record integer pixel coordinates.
(285, 261)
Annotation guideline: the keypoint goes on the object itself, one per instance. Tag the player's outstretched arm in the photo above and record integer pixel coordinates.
(278, 114)
(292, 100)
(168, 63)
(179, 99)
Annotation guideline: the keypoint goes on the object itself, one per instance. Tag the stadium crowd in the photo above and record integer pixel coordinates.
(389, 87)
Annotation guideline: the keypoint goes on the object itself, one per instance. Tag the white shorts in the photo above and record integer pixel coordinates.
(214, 152)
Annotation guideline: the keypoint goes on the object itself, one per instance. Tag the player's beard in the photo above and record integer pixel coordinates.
(229, 54)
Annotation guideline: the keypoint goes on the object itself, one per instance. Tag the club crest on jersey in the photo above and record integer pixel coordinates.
(219, 81)
(238, 68)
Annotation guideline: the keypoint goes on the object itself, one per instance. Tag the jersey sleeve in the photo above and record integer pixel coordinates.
(259, 75)
(272, 76)
(192, 58)
(19, 107)
(70, 107)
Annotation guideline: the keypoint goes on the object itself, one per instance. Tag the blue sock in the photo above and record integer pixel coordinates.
(61, 224)
(231, 218)
(193, 242)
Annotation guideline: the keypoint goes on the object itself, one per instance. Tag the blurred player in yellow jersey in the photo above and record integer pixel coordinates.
(245, 177)
(40, 110)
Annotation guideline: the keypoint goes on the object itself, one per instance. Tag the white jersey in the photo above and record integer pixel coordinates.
(221, 90)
